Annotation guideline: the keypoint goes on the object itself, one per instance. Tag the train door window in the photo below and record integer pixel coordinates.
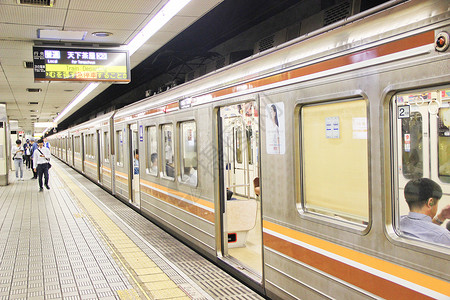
(420, 127)
(238, 140)
(119, 147)
(188, 156)
(444, 143)
(152, 151)
(168, 151)
(334, 149)
(106, 146)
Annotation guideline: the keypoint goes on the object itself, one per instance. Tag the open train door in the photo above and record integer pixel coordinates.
(134, 165)
(240, 244)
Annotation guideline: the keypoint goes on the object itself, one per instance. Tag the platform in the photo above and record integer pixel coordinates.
(76, 241)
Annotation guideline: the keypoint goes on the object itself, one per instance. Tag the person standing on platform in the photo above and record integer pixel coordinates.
(46, 144)
(27, 154)
(34, 146)
(41, 159)
(17, 152)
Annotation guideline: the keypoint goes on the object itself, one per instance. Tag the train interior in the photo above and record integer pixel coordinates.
(242, 235)
(134, 171)
(422, 134)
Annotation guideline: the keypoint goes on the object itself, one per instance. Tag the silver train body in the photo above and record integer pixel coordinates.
(333, 125)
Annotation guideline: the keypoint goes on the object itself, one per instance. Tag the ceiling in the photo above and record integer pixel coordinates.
(19, 25)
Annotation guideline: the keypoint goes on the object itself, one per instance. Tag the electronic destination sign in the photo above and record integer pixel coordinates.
(71, 64)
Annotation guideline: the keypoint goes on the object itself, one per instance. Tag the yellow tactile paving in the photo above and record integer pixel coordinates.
(160, 285)
(168, 293)
(146, 274)
(128, 295)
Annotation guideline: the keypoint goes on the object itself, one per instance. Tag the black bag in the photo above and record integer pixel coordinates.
(49, 165)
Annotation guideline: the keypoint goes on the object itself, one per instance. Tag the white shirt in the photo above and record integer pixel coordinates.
(39, 158)
(18, 151)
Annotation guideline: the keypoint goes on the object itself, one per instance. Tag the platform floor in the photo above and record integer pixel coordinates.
(76, 241)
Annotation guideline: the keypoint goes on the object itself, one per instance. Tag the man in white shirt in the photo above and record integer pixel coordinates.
(41, 159)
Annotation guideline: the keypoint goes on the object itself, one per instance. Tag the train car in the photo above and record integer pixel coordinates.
(91, 153)
(288, 168)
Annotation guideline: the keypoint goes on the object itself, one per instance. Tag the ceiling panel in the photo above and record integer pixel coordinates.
(136, 6)
(28, 15)
(118, 36)
(104, 20)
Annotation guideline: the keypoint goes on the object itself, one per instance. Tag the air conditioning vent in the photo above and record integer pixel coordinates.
(337, 12)
(33, 103)
(266, 43)
(33, 116)
(31, 90)
(46, 3)
(28, 64)
(270, 41)
(220, 63)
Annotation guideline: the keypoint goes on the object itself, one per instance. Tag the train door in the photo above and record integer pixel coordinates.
(82, 152)
(98, 155)
(134, 165)
(72, 151)
(423, 140)
(240, 209)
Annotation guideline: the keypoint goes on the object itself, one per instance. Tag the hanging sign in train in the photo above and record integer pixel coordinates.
(70, 64)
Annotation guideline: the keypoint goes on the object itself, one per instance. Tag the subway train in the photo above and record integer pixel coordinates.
(287, 168)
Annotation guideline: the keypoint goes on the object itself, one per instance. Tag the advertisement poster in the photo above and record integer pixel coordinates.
(275, 128)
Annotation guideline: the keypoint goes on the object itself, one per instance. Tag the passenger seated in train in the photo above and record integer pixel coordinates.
(189, 176)
(230, 195)
(170, 170)
(136, 162)
(422, 222)
(256, 186)
(154, 161)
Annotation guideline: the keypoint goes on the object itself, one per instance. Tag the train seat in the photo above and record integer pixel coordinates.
(241, 217)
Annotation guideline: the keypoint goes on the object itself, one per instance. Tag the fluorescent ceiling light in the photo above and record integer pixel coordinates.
(156, 23)
(61, 35)
(77, 100)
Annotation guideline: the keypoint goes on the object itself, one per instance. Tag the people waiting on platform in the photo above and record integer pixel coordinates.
(17, 152)
(41, 163)
(34, 146)
(27, 154)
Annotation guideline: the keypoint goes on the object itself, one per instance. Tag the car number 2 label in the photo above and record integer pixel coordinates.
(403, 112)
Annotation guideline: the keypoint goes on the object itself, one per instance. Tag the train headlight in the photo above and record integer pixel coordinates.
(442, 41)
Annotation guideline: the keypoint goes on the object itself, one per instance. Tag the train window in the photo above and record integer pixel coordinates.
(119, 147)
(238, 140)
(444, 144)
(168, 151)
(188, 155)
(152, 151)
(335, 154)
(106, 146)
(420, 129)
(77, 144)
(412, 156)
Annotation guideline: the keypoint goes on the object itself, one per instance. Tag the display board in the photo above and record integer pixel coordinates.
(74, 64)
